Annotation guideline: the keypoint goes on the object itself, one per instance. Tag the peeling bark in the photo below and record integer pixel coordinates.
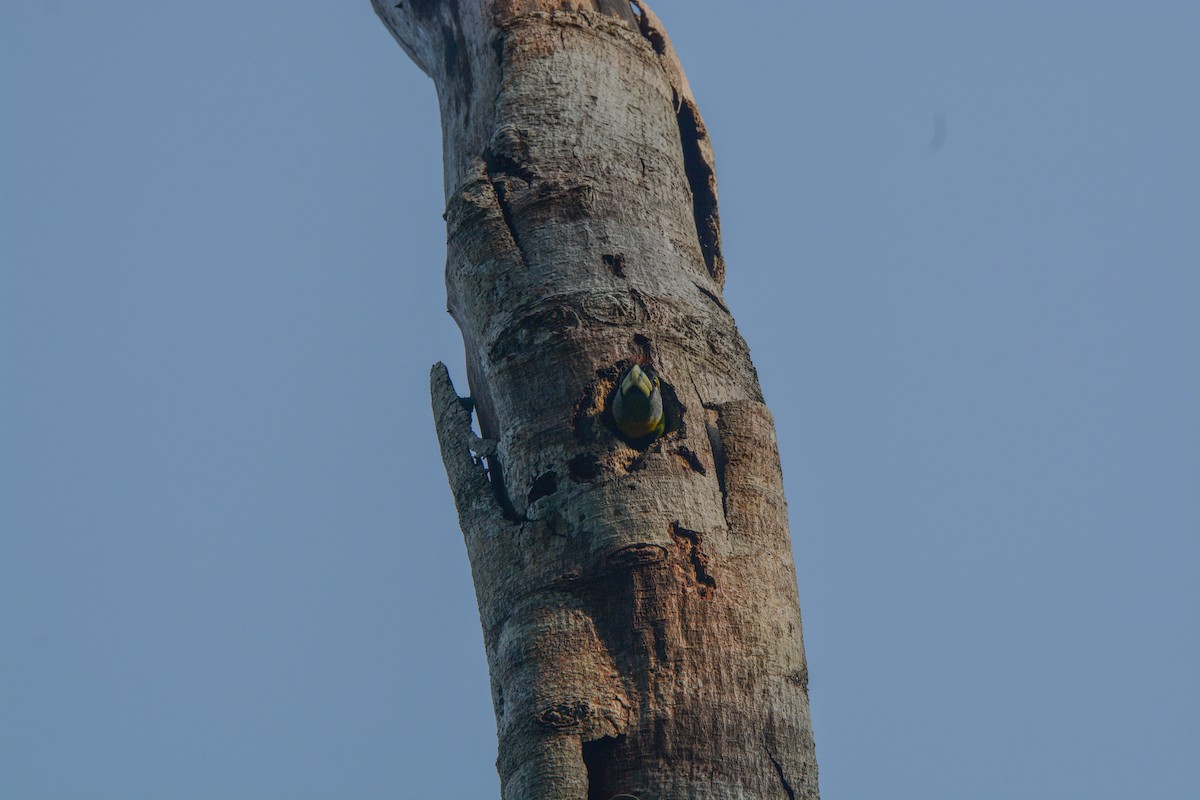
(638, 602)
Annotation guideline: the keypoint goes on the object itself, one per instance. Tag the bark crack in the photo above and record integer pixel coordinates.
(787, 787)
(496, 475)
(693, 138)
(500, 179)
(653, 34)
(702, 180)
(720, 461)
(717, 301)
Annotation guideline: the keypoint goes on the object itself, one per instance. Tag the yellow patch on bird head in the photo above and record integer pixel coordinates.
(636, 378)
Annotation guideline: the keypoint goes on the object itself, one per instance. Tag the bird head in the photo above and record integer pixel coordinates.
(641, 381)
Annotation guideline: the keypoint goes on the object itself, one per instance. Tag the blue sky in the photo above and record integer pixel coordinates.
(229, 561)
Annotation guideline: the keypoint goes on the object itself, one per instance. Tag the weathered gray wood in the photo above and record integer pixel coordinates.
(639, 606)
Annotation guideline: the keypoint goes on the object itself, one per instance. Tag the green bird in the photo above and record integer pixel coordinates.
(637, 406)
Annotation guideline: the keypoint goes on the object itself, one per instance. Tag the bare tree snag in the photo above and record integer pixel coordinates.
(639, 604)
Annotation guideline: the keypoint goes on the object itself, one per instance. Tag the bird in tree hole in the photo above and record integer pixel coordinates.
(637, 405)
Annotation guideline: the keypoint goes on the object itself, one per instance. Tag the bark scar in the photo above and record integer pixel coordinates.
(690, 460)
(696, 556)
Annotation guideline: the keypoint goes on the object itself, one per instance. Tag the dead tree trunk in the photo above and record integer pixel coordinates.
(638, 603)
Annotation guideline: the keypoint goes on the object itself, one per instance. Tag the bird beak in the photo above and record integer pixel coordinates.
(638, 377)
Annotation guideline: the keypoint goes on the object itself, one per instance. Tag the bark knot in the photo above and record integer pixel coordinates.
(635, 555)
(564, 715)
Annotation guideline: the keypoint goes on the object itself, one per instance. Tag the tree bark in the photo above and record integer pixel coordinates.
(639, 604)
